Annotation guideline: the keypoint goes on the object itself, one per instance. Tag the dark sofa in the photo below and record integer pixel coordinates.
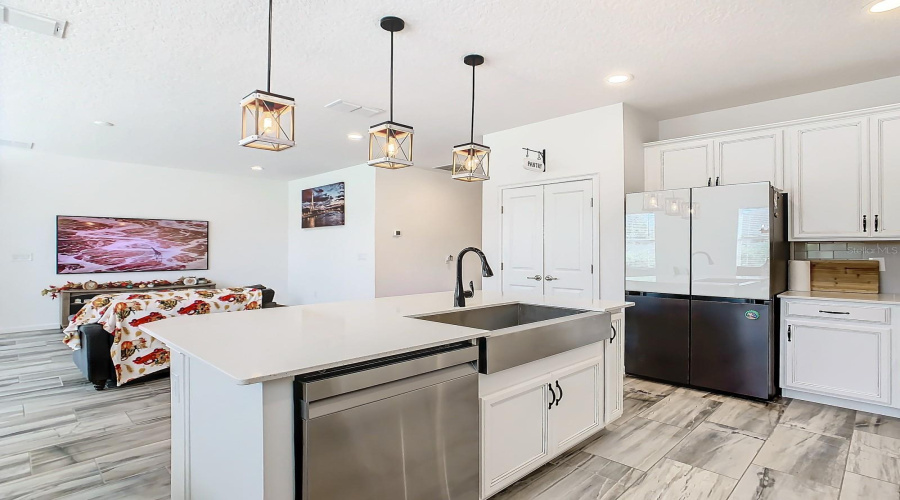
(93, 358)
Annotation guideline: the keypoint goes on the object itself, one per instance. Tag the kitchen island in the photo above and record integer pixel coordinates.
(233, 384)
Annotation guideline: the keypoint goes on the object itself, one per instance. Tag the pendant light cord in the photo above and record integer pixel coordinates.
(269, 74)
(392, 75)
(472, 128)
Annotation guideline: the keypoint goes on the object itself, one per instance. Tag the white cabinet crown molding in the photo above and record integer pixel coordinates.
(785, 124)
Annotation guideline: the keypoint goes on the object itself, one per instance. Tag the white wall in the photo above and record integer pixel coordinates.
(328, 264)
(246, 218)
(638, 129)
(590, 142)
(437, 216)
(837, 100)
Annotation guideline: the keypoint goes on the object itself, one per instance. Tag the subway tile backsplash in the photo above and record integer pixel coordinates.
(889, 250)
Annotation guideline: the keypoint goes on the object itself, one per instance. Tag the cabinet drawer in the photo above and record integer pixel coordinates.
(842, 311)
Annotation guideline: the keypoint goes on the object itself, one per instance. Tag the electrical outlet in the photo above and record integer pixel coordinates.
(22, 257)
(396, 233)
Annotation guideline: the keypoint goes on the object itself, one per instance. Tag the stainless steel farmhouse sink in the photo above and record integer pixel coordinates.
(521, 333)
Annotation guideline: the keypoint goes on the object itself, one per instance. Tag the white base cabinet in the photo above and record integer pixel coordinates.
(535, 412)
(836, 349)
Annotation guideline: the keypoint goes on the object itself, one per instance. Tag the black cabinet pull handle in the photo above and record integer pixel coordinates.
(789, 333)
(550, 386)
(614, 333)
(560, 393)
(717, 180)
(876, 223)
(833, 312)
(864, 223)
(709, 181)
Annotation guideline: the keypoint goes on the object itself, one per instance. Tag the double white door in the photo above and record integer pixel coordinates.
(548, 240)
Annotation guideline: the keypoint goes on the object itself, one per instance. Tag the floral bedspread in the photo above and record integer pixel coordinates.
(134, 352)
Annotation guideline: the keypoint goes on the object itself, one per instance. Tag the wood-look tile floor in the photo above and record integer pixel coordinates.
(61, 439)
(680, 444)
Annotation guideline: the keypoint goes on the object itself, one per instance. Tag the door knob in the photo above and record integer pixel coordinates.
(550, 278)
(536, 277)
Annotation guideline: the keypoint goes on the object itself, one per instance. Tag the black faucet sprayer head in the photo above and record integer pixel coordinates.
(486, 270)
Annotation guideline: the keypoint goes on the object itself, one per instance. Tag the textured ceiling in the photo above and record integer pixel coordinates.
(170, 73)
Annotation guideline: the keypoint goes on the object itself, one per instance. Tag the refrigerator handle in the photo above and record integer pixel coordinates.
(789, 333)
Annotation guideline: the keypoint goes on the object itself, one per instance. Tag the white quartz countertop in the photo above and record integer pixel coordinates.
(268, 344)
(880, 298)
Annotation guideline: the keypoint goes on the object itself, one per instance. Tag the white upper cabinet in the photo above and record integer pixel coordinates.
(680, 165)
(751, 157)
(885, 173)
(829, 169)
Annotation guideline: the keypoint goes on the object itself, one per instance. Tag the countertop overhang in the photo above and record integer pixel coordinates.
(268, 344)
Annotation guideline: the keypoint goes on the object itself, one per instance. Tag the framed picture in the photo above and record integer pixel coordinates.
(87, 245)
(323, 206)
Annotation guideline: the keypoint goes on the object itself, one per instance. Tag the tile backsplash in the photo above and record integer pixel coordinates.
(856, 250)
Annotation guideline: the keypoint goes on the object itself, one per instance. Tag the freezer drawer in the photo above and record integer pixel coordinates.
(659, 337)
(732, 347)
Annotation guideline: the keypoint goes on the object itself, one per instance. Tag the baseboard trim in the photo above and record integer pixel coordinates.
(29, 328)
(841, 403)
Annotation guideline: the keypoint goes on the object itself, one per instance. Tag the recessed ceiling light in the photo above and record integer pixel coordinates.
(102, 123)
(257, 168)
(354, 136)
(884, 6)
(620, 78)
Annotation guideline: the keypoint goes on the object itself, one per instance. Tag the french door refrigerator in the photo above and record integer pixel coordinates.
(703, 267)
(740, 253)
(657, 280)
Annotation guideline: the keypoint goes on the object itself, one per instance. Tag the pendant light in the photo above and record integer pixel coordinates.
(471, 161)
(390, 143)
(267, 120)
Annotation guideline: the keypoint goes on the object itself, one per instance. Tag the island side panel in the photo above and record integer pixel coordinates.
(224, 436)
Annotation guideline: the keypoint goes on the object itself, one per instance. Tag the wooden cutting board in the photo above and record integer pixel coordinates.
(853, 276)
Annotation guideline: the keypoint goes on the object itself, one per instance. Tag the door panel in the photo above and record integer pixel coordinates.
(523, 240)
(829, 179)
(839, 360)
(658, 242)
(686, 165)
(730, 241)
(659, 338)
(755, 157)
(885, 170)
(515, 433)
(568, 239)
(578, 410)
(614, 366)
(731, 348)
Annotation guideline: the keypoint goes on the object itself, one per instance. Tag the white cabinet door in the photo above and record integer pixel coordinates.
(568, 239)
(578, 410)
(838, 359)
(686, 164)
(515, 433)
(523, 240)
(885, 172)
(829, 166)
(614, 366)
(751, 157)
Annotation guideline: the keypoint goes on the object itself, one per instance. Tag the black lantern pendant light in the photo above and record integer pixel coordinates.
(471, 161)
(267, 120)
(390, 143)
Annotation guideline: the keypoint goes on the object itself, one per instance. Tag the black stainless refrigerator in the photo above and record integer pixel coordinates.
(736, 262)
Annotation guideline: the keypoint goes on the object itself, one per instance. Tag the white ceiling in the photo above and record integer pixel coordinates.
(170, 73)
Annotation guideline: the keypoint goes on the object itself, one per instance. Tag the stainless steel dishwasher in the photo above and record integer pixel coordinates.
(403, 427)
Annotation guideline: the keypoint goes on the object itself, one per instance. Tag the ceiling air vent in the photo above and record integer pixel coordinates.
(448, 168)
(33, 22)
(16, 144)
(349, 107)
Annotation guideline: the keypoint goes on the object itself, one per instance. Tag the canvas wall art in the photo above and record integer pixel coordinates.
(116, 245)
(323, 206)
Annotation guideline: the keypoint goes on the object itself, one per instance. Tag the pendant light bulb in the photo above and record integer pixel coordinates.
(267, 119)
(471, 161)
(390, 143)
